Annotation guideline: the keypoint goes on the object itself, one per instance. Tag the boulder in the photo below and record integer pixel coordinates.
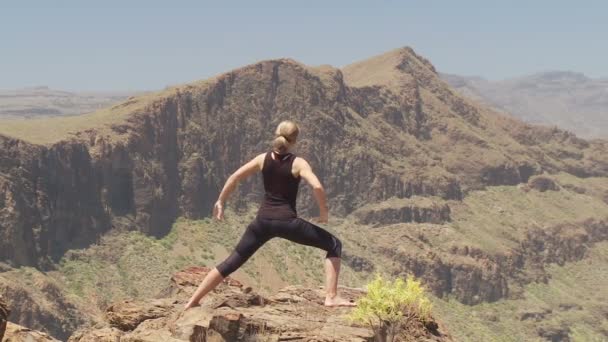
(127, 315)
(543, 183)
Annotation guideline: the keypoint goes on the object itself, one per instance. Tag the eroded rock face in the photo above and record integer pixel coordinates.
(17, 333)
(127, 315)
(49, 201)
(543, 183)
(42, 307)
(508, 173)
(405, 213)
(234, 313)
(357, 263)
(554, 332)
(473, 276)
(4, 312)
(469, 282)
(106, 334)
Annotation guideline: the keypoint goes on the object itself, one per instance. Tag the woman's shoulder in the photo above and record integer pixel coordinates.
(299, 161)
(260, 158)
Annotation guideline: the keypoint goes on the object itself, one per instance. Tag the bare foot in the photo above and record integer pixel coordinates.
(338, 301)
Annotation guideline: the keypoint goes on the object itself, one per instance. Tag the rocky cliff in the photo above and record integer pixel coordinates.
(11, 332)
(4, 312)
(403, 210)
(389, 123)
(18, 333)
(473, 276)
(40, 303)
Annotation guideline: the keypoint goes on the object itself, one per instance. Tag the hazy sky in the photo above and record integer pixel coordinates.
(144, 45)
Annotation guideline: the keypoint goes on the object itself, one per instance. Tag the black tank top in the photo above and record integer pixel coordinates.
(281, 187)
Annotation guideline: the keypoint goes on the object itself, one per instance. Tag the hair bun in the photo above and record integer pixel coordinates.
(286, 134)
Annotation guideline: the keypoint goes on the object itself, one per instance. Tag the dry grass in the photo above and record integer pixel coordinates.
(49, 130)
(378, 70)
(45, 131)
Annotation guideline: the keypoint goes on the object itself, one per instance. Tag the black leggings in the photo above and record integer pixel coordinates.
(261, 230)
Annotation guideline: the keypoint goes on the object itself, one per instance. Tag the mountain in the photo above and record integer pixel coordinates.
(499, 218)
(43, 101)
(566, 99)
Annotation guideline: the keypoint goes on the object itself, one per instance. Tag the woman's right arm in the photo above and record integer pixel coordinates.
(305, 171)
(253, 166)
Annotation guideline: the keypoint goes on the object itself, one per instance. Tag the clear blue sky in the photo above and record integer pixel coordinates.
(143, 45)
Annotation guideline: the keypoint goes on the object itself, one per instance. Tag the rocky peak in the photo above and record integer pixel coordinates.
(389, 69)
(233, 312)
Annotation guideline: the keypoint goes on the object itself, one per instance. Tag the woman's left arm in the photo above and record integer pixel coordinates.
(251, 167)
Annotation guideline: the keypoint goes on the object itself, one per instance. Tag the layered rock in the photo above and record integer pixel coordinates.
(562, 243)
(469, 281)
(49, 201)
(473, 276)
(234, 313)
(4, 312)
(11, 332)
(404, 211)
(40, 304)
(543, 183)
(18, 333)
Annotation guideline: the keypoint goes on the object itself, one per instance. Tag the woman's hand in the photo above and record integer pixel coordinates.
(218, 210)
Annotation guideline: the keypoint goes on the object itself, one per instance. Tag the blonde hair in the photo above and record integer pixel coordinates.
(285, 136)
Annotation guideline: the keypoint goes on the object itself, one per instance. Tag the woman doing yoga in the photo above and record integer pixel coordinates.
(277, 216)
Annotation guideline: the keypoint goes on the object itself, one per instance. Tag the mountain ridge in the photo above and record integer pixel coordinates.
(418, 161)
(422, 112)
(570, 100)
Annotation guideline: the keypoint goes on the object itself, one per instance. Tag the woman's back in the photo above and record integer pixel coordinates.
(280, 186)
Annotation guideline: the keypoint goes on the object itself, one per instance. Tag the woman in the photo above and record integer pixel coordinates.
(277, 215)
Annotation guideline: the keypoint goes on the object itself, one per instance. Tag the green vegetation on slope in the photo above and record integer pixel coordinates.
(572, 301)
(495, 221)
(132, 265)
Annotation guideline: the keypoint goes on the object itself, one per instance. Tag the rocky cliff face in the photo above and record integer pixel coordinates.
(4, 312)
(389, 123)
(11, 332)
(473, 276)
(18, 333)
(403, 211)
(42, 305)
(49, 201)
(234, 313)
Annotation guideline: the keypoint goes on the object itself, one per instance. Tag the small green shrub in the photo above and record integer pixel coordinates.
(390, 306)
